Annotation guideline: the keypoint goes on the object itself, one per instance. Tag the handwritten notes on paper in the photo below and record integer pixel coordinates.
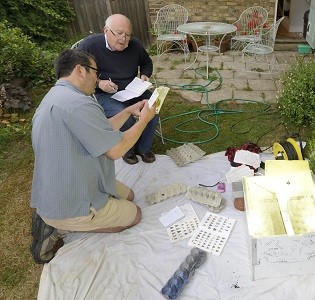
(134, 89)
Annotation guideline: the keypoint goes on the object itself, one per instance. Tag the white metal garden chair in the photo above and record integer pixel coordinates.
(258, 57)
(168, 38)
(76, 44)
(249, 27)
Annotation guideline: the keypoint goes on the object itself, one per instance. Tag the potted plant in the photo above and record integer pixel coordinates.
(221, 41)
(195, 42)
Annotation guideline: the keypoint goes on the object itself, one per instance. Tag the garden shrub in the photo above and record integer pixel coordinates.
(41, 20)
(22, 58)
(297, 99)
(310, 151)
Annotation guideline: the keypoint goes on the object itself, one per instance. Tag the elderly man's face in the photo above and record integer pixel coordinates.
(118, 35)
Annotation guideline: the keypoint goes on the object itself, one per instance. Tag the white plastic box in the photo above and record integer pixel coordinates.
(280, 215)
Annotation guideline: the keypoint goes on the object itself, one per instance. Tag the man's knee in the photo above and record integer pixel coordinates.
(155, 119)
(111, 107)
(131, 195)
(138, 217)
(135, 221)
(128, 124)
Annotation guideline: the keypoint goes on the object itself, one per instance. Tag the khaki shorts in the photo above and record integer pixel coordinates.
(116, 212)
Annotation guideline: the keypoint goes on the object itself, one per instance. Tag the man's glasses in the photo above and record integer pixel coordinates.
(120, 35)
(90, 67)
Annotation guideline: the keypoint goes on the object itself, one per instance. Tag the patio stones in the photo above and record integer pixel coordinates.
(235, 84)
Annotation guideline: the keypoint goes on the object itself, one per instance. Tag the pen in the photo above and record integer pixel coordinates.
(112, 86)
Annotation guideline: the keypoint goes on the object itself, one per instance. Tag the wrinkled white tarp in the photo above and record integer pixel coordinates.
(136, 263)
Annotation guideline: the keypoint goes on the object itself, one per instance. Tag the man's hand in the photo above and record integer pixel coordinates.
(144, 78)
(131, 135)
(107, 86)
(141, 109)
(135, 109)
(146, 113)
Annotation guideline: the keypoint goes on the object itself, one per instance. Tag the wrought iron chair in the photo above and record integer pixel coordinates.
(168, 19)
(259, 56)
(249, 27)
(76, 44)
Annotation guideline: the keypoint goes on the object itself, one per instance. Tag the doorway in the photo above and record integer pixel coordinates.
(294, 11)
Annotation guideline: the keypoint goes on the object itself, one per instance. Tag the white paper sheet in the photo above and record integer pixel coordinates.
(134, 89)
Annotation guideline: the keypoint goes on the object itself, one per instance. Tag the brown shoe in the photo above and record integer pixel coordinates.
(147, 157)
(130, 158)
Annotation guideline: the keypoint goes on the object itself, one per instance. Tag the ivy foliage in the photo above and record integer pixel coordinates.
(297, 99)
(22, 58)
(42, 20)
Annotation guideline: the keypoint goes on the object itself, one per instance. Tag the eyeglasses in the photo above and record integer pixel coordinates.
(120, 35)
(90, 67)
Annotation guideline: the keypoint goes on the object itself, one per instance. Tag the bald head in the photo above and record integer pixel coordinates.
(118, 20)
(118, 32)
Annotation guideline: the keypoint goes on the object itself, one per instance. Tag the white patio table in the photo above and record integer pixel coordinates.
(206, 29)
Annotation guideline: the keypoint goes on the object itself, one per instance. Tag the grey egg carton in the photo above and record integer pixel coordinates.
(168, 192)
(185, 154)
(213, 200)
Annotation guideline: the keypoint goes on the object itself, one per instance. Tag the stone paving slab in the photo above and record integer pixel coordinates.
(250, 95)
(172, 69)
(270, 96)
(216, 96)
(263, 85)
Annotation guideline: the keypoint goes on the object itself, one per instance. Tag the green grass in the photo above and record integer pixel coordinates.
(216, 127)
(226, 124)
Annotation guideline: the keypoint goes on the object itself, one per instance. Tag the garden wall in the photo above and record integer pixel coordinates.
(213, 10)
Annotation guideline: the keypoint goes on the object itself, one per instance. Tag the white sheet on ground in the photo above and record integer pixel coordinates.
(136, 263)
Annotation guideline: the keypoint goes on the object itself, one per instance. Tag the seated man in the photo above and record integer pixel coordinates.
(119, 59)
(74, 186)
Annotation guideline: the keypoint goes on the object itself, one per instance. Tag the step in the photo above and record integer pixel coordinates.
(288, 44)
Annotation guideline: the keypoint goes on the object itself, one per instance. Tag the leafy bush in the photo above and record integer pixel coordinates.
(41, 20)
(297, 100)
(310, 151)
(22, 58)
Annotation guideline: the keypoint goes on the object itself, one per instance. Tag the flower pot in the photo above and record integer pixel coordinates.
(193, 45)
(224, 45)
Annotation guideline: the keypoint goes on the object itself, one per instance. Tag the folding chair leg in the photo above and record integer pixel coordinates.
(160, 132)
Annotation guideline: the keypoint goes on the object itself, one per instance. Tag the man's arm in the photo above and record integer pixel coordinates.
(131, 135)
(119, 119)
(145, 63)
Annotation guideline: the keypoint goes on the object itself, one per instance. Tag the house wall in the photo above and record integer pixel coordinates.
(213, 10)
(296, 16)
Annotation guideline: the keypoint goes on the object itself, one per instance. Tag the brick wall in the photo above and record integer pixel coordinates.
(213, 10)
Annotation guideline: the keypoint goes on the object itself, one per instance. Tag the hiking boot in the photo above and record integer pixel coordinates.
(130, 157)
(46, 240)
(147, 157)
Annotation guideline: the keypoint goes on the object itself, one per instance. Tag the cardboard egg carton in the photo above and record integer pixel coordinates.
(185, 154)
(213, 200)
(168, 192)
